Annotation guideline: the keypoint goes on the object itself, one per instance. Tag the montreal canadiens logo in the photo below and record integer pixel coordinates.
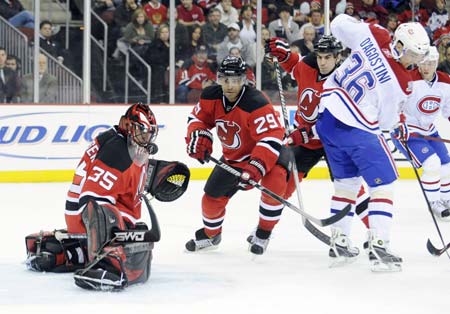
(308, 104)
(429, 105)
(228, 132)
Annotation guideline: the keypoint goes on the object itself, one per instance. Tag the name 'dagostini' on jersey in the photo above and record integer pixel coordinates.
(375, 60)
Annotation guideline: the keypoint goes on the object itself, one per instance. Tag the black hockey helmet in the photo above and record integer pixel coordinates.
(328, 44)
(232, 66)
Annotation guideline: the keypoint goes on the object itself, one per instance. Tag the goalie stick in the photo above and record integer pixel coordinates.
(317, 221)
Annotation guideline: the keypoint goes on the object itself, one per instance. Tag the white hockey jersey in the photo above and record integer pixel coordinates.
(427, 100)
(366, 91)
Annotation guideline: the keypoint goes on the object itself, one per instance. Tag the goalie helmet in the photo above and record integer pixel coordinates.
(139, 126)
(328, 44)
(414, 39)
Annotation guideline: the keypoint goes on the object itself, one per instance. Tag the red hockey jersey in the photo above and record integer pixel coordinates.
(107, 174)
(248, 128)
(310, 86)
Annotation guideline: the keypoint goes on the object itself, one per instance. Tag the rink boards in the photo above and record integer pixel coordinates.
(43, 143)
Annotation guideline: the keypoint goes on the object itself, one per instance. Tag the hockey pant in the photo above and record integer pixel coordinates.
(221, 186)
(47, 253)
(112, 265)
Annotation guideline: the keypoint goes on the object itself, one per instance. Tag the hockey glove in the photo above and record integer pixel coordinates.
(254, 171)
(199, 145)
(279, 48)
(400, 131)
(300, 136)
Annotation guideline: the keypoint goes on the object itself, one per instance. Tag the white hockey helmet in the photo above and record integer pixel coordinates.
(432, 56)
(414, 39)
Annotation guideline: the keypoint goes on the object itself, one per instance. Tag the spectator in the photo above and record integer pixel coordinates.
(349, 9)
(48, 43)
(229, 14)
(139, 33)
(195, 74)
(247, 24)
(158, 58)
(13, 63)
(439, 16)
(156, 12)
(8, 80)
(268, 74)
(193, 44)
(306, 45)
(207, 5)
(48, 84)
(124, 13)
(392, 23)
(369, 11)
(190, 14)
(316, 22)
(105, 9)
(420, 14)
(250, 75)
(233, 40)
(264, 12)
(444, 66)
(14, 12)
(284, 27)
(214, 32)
(441, 38)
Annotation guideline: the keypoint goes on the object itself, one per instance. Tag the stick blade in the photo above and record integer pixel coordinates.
(332, 219)
(435, 251)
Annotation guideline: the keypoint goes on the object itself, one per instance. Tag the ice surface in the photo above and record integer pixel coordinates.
(292, 277)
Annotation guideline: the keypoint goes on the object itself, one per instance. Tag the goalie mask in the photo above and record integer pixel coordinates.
(140, 128)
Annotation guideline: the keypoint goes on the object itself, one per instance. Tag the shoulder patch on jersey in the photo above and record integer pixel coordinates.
(212, 92)
(252, 100)
(114, 153)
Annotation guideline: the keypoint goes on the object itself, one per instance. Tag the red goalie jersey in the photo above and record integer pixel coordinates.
(107, 174)
(248, 128)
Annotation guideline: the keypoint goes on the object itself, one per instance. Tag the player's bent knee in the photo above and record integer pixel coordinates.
(432, 165)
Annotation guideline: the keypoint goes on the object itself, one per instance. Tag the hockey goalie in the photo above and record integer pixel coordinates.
(104, 244)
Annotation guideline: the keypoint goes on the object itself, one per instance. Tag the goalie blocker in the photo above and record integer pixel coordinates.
(110, 256)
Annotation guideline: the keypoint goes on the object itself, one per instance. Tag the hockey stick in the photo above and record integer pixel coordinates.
(320, 222)
(431, 248)
(430, 138)
(308, 225)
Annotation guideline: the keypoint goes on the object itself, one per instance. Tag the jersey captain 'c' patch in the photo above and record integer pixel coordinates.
(429, 104)
(308, 104)
(228, 132)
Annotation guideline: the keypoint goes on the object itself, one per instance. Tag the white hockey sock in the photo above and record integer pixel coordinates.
(345, 193)
(381, 210)
(445, 182)
(430, 178)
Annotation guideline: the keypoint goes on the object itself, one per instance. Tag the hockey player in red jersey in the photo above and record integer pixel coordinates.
(251, 136)
(104, 242)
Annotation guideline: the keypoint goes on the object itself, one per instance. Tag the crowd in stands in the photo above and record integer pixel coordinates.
(207, 31)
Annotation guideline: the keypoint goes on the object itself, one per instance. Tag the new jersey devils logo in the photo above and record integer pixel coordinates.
(309, 105)
(228, 132)
(429, 104)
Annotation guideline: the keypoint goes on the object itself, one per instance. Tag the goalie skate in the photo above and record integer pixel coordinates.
(341, 251)
(380, 258)
(203, 242)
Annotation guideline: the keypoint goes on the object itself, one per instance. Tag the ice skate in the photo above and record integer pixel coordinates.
(381, 259)
(441, 209)
(258, 241)
(341, 250)
(203, 242)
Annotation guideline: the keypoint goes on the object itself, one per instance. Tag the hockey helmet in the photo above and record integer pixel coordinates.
(139, 125)
(432, 56)
(328, 44)
(414, 40)
(232, 68)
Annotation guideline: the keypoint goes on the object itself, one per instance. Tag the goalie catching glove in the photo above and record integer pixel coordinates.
(167, 180)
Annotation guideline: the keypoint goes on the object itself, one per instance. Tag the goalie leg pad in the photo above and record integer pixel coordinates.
(100, 222)
(120, 266)
(46, 253)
